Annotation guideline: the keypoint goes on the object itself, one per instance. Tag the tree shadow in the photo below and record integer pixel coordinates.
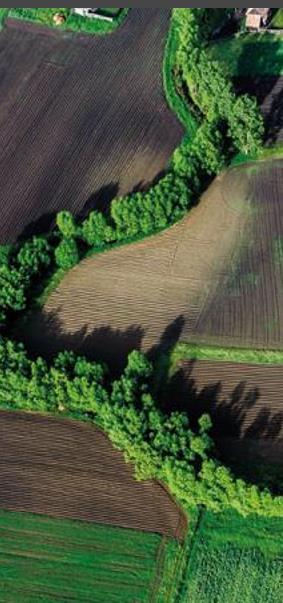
(100, 200)
(40, 226)
(45, 335)
(265, 87)
(239, 418)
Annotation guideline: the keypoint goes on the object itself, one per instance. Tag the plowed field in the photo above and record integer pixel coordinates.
(244, 401)
(216, 277)
(82, 118)
(67, 469)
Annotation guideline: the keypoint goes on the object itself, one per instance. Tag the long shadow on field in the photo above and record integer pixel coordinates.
(37, 227)
(46, 336)
(100, 200)
(238, 416)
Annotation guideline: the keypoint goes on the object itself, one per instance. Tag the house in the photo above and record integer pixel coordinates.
(256, 18)
(92, 13)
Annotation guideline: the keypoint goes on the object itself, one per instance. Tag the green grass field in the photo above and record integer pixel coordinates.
(43, 559)
(236, 560)
(250, 54)
(277, 21)
(44, 16)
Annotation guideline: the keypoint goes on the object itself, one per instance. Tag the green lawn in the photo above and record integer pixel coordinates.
(43, 559)
(44, 16)
(250, 54)
(277, 21)
(236, 560)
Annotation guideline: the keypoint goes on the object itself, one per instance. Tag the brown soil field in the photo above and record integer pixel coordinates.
(216, 277)
(64, 468)
(82, 118)
(269, 94)
(244, 401)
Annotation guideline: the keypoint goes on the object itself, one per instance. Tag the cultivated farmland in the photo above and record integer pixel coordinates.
(236, 559)
(83, 118)
(69, 470)
(244, 401)
(216, 277)
(48, 560)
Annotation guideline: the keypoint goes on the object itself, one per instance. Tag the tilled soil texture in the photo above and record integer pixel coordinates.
(268, 91)
(82, 118)
(244, 401)
(67, 469)
(216, 277)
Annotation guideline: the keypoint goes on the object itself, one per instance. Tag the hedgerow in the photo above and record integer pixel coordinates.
(162, 447)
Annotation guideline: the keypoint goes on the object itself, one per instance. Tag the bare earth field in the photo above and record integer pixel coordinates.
(244, 401)
(60, 93)
(216, 277)
(67, 469)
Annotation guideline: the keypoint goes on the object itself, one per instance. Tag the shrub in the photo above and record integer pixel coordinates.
(66, 224)
(67, 254)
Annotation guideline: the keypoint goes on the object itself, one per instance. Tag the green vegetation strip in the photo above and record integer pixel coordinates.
(44, 559)
(45, 16)
(236, 559)
(250, 54)
(185, 351)
(277, 21)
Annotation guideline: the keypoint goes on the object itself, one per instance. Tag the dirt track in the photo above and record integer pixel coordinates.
(244, 401)
(82, 118)
(216, 277)
(67, 469)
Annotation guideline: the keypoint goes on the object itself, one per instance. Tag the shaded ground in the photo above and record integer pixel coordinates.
(67, 469)
(244, 401)
(215, 277)
(82, 118)
(268, 91)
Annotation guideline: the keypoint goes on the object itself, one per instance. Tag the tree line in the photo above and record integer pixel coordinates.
(161, 446)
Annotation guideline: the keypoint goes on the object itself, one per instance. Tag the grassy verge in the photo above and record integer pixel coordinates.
(44, 559)
(44, 16)
(186, 351)
(167, 364)
(236, 559)
(250, 55)
(273, 152)
(3, 15)
(277, 21)
(175, 101)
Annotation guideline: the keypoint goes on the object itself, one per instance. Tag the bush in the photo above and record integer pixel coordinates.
(33, 256)
(162, 447)
(67, 254)
(66, 224)
(96, 231)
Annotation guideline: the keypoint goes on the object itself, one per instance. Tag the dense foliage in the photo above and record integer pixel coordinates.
(162, 447)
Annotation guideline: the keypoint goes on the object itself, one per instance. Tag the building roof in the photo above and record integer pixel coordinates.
(260, 12)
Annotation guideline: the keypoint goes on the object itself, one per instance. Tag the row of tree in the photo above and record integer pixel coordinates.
(162, 447)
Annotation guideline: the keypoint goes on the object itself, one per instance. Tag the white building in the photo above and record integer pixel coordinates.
(91, 13)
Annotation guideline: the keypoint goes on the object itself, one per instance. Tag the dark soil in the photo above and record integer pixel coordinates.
(82, 118)
(66, 469)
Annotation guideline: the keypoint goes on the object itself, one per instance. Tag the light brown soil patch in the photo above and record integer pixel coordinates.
(215, 277)
(67, 469)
